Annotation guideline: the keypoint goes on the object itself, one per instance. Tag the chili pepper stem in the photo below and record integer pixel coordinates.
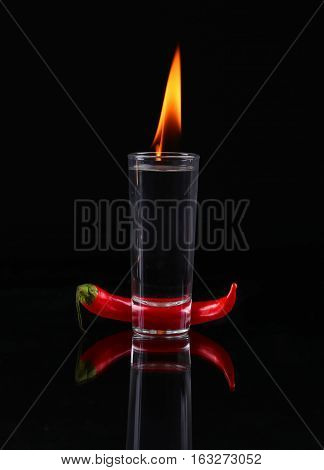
(85, 293)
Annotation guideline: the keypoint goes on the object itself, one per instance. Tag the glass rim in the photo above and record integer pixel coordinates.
(170, 155)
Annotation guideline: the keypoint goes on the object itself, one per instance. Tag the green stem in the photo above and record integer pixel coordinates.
(85, 294)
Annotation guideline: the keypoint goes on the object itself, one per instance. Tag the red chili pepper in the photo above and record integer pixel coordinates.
(104, 304)
(99, 357)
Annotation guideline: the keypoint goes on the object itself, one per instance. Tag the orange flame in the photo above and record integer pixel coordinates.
(170, 118)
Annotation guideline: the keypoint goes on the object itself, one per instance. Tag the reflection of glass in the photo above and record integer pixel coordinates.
(159, 414)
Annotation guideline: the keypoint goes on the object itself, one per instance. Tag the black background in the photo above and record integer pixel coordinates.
(113, 61)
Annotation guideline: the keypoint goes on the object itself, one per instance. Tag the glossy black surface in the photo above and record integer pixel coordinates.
(280, 322)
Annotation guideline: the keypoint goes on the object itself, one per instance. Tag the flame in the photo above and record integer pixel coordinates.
(170, 118)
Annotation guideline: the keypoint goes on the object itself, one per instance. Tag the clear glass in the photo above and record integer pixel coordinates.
(159, 411)
(163, 196)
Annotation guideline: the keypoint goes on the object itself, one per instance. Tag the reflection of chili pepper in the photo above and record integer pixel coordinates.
(215, 354)
(104, 304)
(102, 355)
(109, 350)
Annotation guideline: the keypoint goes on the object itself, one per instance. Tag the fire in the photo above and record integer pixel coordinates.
(170, 118)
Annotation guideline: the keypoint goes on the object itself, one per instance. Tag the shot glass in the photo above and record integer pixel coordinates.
(163, 197)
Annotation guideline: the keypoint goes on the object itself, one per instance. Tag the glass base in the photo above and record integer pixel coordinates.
(164, 333)
(161, 317)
